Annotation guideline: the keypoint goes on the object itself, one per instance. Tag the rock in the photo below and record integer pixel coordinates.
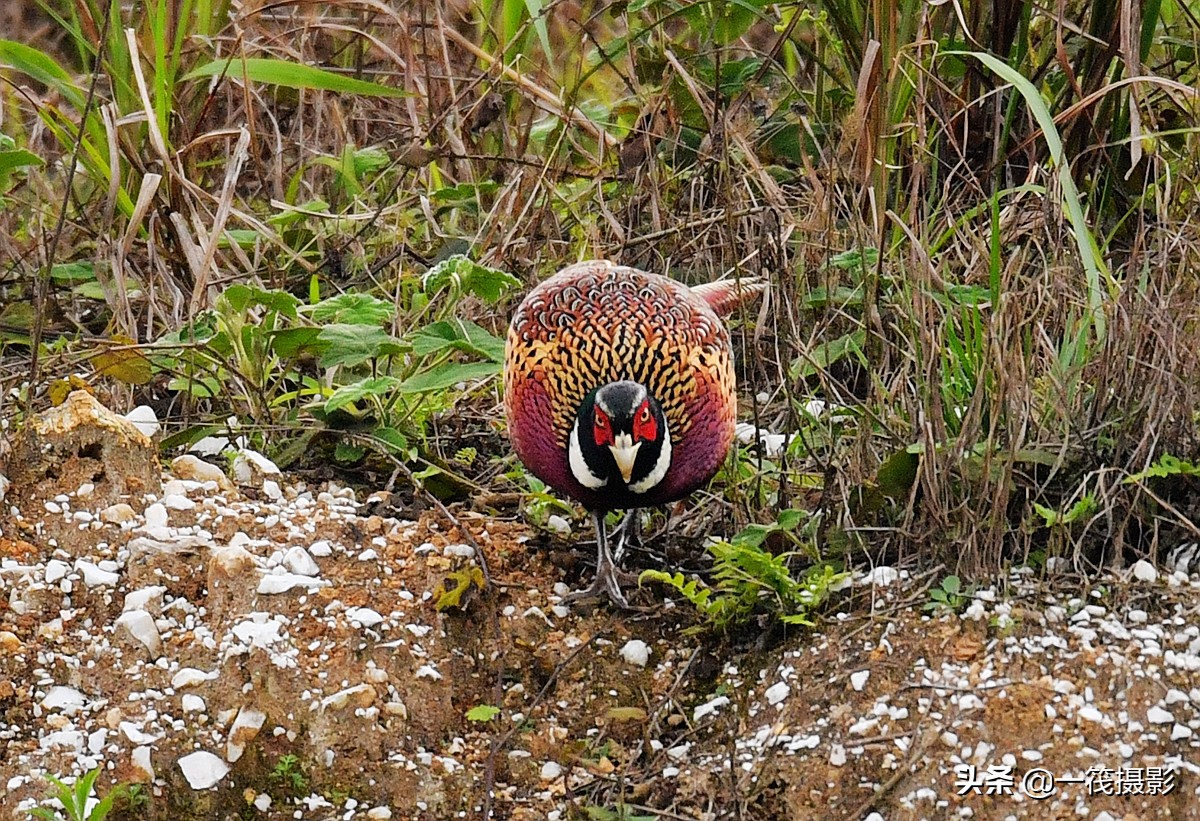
(93, 576)
(858, 680)
(66, 700)
(117, 514)
(298, 561)
(551, 770)
(636, 652)
(202, 769)
(156, 516)
(1143, 571)
(364, 616)
(149, 599)
(139, 626)
(145, 419)
(9, 643)
(1157, 715)
(245, 727)
(230, 563)
(192, 703)
(191, 677)
(777, 692)
(196, 469)
(56, 571)
(363, 695)
(135, 734)
(558, 525)
(143, 769)
(82, 442)
(275, 583)
(251, 468)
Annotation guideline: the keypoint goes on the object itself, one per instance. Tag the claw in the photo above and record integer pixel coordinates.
(629, 534)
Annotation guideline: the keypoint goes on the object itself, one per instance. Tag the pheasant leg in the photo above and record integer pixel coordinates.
(628, 533)
(608, 581)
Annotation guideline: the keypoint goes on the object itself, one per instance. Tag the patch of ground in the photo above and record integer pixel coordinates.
(274, 651)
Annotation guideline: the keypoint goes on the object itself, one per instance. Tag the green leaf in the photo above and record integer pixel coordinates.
(447, 375)
(393, 440)
(898, 473)
(292, 75)
(461, 273)
(290, 342)
(461, 335)
(19, 158)
(375, 386)
(952, 585)
(352, 309)
(43, 68)
(351, 345)
(482, 712)
(240, 298)
(346, 453)
(824, 355)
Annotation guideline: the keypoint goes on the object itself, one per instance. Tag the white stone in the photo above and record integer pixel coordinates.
(364, 616)
(428, 671)
(275, 583)
(1157, 715)
(140, 758)
(66, 700)
(56, 571)
(709, 707)
(93, 576)
(551, 770)
(298, 561)
(244, 729)
(192, 703)
(1180, 731)
(858, 680)
(251, 468)
(262, 802)
(558, 525)
(271, 490)
(882, 576)
(177, 502)
(148, 598)
(195, 469)
(202, 769)
(156, 518)
(1143, 571)
(320, 548)
(117, 514)
(777, 692)
(135, 734)
(190, 677)
(144, 419)
(636, 652)
(139, 625)
(379, 814)
(837, 755)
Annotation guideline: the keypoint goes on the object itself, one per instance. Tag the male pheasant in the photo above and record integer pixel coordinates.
(619, 390)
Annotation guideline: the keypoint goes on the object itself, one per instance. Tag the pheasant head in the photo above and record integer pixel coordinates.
(620, 439)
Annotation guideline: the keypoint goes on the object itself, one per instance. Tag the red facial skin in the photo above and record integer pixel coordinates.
(645, 427)
(602, 429)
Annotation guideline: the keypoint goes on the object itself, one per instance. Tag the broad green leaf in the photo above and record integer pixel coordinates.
(73, 272)
(447, 375)
(18, 158)
(461, 335)
(897, 474)
(352, 309)
(393, 440)
(347, 453)
(373, 386)
(822, 356)
(351, 345)
(290, 342)
(482, 712)
(292, 75)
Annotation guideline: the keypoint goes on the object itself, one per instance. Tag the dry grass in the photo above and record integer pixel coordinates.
(1014, 401)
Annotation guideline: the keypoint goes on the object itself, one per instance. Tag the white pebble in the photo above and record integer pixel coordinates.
(858, 680)
(202, 769)
(636, 652)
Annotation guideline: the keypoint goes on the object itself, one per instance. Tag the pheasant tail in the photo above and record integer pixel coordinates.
(725, 296)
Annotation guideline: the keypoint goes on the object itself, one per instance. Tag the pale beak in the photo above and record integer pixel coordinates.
(625, 453)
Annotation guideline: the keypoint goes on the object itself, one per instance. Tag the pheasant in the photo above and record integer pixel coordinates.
(619, 391)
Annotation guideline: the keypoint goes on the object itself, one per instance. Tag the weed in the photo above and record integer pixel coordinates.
(78, 803)
(949, 595)
(288, 778)
(749, 580)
